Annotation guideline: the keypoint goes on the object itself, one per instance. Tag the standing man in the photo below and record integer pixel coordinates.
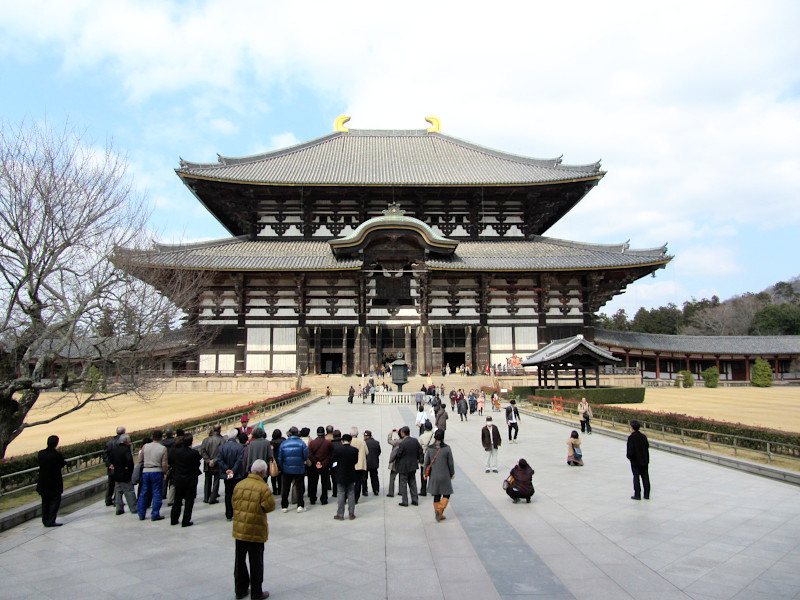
(585, 414)
(50, 485)
(512, 420)
(394, 442)
(244, 428)
(639, 455)
(425, 440)
(252, 500)
(441, 417)
(491, 440)
(345, 458)
(107, 458)
(208, 452)
(185, 463)
(373, 462)
(409, 456)
(361, 465)
(230, 459)
(122, 461)
(320, 450)
(292, 456)
(154, 473)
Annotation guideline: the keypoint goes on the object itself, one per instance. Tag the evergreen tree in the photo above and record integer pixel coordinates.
(761, 374)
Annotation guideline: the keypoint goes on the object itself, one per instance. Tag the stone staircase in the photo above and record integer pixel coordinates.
(340, 384)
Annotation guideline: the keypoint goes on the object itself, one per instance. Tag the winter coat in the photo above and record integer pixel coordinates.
(409, 455)
(394, 443)
(258, 449)
(583, 407)
(487, 438)
(442, 470)
(185, 465)
(209, 449)
(441, 419)
(230, 456)
(345, 458)
(573, 443)
(122, 459)
(638, 449)
(373, 458)
(523, 480)
(462, 406)
(359, 445)
(51, 461)
(252, 500)
(292, 456)
(426, 440)
(320, 450)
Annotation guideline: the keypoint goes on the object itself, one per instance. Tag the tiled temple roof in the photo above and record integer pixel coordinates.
(540, 253)
(385, 157)
(557, 350)
(746, 345)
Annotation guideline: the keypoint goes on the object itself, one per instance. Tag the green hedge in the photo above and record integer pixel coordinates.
(679, 421)
(615, 395)
(29, 461)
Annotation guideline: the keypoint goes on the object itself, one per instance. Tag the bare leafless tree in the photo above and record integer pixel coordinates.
(66, 208)
(733, 317)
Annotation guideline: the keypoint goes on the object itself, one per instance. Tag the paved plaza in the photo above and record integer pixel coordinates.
(708, 533)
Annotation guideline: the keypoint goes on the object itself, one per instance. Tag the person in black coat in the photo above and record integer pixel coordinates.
(185, 464)
(639, 455)
(408, 458)
(108, 460)
(122, 460)
(344, 459)
(50, 485)
(373, 462)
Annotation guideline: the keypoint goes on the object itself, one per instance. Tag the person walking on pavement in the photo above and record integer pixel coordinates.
(409, 456)
(345, 458)
(252, 500)
(426, 441)
(122, 461)
(154, 472)
(208, 451)
(585, 414)
(491, 440)
(107, 459)
(439, 459)
(638, 453)
(50, 485)
(185, 464)
(512, 420)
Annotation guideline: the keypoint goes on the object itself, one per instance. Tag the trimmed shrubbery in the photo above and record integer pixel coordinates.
(761, 375)
(685, 379)
(711, 377)
(28, 461)
(616, 395)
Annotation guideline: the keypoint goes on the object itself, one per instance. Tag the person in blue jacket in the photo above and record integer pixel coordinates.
(292, 456)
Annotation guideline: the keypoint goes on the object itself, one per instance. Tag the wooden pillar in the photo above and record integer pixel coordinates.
(482, 347)
(361, 350)
(688, 367)
(627, 358)
(344, 350)
(468, 349)
(747, 368)
(584, 376)
(302, 349)
(775, 370)
(658, 366)
(424, 357)
(317, 350)
(409, 359)
(597, 375)
(718, 370)
(555, 375)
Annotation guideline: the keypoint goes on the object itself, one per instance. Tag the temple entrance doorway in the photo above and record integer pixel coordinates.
(331, 362)
(454, 359)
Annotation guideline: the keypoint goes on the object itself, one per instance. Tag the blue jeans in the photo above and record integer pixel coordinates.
(152, 484)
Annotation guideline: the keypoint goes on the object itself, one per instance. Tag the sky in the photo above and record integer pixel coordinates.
(693, 107)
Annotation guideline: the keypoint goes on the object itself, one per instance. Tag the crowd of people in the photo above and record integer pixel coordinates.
(253, 470)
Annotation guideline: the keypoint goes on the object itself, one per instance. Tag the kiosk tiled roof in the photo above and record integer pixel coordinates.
(388, 157)
(557, 350)
(242, 253)
(746, 345)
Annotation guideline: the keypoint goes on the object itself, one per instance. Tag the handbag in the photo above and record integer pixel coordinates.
(577, 452)
(273, 468)
(428, 468)
(508, 482)
(136, 476)
(586, 415)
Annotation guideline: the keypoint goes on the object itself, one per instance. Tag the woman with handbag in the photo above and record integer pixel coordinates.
(574, 452)
(439, 470)
(519, 483)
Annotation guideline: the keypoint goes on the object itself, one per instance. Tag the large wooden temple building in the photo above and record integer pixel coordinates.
(350, 248)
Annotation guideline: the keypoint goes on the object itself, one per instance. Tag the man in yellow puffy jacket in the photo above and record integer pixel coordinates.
(252, 500)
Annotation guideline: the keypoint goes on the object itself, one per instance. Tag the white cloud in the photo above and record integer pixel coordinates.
(693, 107)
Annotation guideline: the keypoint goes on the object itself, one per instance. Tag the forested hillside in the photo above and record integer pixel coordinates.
(774, 311)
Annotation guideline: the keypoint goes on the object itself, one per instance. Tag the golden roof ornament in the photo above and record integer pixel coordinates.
(338, 124)
(436, 124)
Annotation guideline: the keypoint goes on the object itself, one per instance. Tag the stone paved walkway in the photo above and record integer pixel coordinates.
(707, 533)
